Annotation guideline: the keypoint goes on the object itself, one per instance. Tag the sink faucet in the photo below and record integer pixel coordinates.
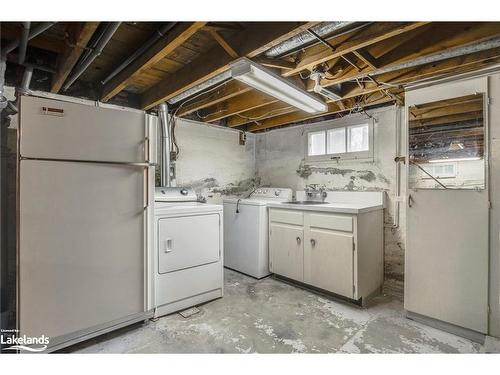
(315, 192)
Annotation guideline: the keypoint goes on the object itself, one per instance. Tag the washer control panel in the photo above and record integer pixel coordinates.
(273, 193)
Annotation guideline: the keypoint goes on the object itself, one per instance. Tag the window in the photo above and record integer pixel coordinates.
(357, 139)
(336, 141)
(316, 143)
(440, 170)
(340, 142)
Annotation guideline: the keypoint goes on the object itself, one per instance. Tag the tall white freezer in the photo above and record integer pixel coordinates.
(85, 187)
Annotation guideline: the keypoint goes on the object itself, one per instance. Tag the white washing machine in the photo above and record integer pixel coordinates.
(246, 246)
(188, 260)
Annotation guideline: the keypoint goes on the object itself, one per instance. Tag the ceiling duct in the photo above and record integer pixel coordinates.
(298, 41)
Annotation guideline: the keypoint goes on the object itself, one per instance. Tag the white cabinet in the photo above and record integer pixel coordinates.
(337, 253)
(328, 261)
(286, 259)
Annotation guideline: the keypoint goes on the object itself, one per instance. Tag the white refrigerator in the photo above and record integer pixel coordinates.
(85, 187)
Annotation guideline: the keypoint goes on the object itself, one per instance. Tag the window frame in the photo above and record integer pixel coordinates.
(336, 124)
(434, 165)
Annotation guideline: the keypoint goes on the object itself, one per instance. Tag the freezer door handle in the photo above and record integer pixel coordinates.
(168, 245)
(146, 187)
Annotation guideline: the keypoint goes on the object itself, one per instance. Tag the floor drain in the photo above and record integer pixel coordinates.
(189, 312)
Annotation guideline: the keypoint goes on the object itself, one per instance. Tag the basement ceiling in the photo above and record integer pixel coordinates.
(368, 64)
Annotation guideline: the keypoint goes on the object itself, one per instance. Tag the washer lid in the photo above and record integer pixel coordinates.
(247, 201)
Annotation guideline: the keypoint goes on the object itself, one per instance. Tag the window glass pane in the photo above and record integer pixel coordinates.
(336, 141)
(450, 148)
(357, 138)
(316, 143)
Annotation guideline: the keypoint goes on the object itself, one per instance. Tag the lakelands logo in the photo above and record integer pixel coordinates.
(23, 343)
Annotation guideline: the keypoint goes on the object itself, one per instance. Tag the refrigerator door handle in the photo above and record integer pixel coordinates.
(109, 162)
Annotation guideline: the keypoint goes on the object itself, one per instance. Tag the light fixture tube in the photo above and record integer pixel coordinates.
(454, 159)
(264, 80)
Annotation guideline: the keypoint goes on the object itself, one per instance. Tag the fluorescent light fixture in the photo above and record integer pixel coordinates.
(455, 159)
(264, 80)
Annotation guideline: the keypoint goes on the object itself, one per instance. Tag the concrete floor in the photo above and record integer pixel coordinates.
(269, 316)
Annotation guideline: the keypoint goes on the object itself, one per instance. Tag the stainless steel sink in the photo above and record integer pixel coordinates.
(305, 202)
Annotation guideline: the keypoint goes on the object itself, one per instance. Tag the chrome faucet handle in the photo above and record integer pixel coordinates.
(311, 187)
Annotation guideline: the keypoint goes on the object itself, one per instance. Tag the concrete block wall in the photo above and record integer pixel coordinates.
(212, 161)
(280, 161)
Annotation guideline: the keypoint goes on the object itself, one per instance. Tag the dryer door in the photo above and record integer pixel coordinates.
(188, 241)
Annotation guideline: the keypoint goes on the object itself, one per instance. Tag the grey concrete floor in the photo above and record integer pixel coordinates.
(270, 316)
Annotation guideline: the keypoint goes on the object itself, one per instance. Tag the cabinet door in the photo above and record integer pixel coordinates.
(329, 261)
(287, 251)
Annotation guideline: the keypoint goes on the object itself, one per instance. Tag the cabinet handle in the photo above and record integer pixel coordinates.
(313, 242)
(298, 240)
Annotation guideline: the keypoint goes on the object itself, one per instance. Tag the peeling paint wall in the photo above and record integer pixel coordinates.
(212, 161)
(280, 161)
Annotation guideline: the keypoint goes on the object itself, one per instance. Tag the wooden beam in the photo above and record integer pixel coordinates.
(80, 34)
(275, 63)
(461, 108)
(252, 41)
(372, 34)
(452, 36)
(226, 92)
(225, 45)
(259, 114)
(301, 116)
(241, 103)
(446, 119)
(174, 38)
(366, 58)
(454, 65)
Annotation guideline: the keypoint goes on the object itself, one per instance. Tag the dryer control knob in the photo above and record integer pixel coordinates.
(184, 191)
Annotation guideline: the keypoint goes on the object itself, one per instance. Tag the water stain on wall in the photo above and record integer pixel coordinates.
(305, 171)
(239, 187)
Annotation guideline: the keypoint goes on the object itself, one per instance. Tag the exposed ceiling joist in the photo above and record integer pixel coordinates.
(275, 63)
(176, 37)
(225, 92)
(418, 49)
(372, 34)
(222, 42)
(301, 116)
(252, 41)
(366, 58)
(259, 114)
(80, 34)
(241, 103)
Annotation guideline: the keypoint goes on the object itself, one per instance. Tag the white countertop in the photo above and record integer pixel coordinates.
(345, 208)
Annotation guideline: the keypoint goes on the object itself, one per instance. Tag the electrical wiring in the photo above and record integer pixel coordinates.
(263, 115)
(172, 118)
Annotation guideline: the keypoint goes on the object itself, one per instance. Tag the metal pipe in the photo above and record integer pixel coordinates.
(3, 99)
(103, 40)
(165, 145)
(24, 42)
(25, 84)
(160, 33)
(397, 195)
(35, 31)
(439, 56)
